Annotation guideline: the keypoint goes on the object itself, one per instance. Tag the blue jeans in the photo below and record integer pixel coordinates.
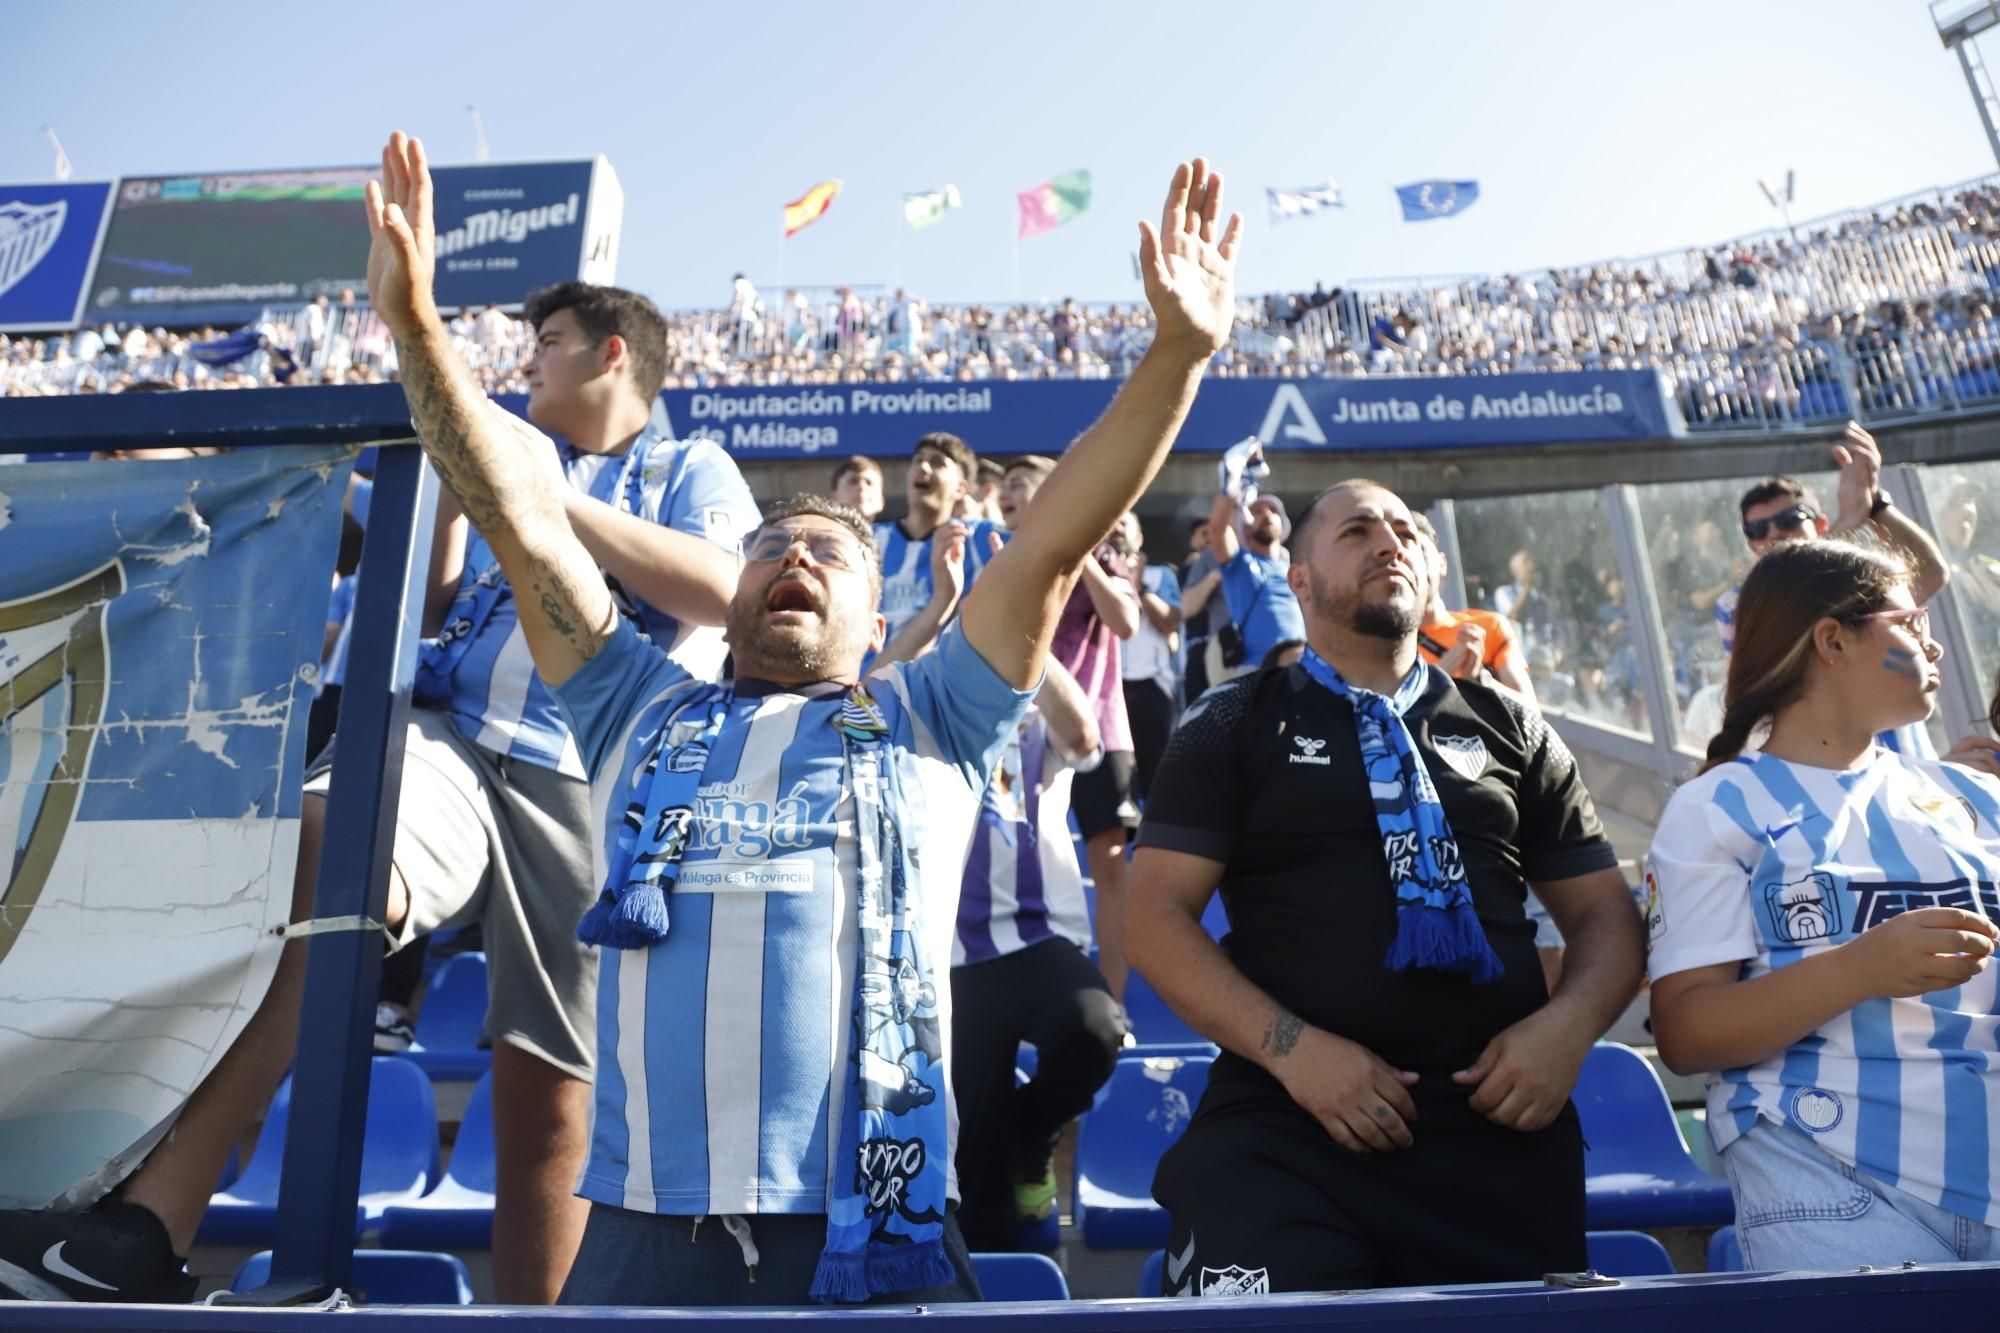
(1799, 1207)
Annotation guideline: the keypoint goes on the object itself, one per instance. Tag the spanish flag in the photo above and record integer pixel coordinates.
(807, 208)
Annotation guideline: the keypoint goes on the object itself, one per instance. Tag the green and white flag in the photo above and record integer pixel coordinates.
(921, 210)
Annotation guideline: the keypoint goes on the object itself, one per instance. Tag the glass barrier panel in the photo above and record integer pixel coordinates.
(1965, 504)
(1547, 563)
(1694, 538)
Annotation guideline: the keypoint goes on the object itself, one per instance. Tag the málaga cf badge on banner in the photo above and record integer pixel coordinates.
(52, 683)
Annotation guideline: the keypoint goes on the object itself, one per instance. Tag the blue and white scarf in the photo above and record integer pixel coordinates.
(631, 911)
(885, 1221)
(1435, 924)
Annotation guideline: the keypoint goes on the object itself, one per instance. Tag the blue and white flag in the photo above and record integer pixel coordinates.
(1301, 202)
(160, 632)
(1436, 199)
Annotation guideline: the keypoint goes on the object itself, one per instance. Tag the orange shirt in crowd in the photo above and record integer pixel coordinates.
(1502, 648)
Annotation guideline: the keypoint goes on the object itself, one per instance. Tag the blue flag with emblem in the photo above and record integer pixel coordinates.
(160, 633)
(1426, 200)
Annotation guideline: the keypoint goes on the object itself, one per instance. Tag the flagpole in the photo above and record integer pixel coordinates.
(1017, 266)
(896, 264)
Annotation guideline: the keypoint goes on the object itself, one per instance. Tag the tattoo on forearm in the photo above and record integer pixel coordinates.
(558, 622)
(1283, 1034)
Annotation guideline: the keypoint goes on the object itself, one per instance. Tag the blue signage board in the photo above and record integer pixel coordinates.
(48, 237)
(1010, 417)
(219, 248)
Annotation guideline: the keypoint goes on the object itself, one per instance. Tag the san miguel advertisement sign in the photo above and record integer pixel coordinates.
(219, 248)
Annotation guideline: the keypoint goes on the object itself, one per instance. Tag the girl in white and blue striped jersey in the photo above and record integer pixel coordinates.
(1822, 920)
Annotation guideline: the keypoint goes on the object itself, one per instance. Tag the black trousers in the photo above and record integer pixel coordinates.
(1052, 997)
(1151, 710)
(1262, 1199)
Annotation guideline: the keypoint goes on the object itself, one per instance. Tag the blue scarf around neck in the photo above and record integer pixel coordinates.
(1435, 924)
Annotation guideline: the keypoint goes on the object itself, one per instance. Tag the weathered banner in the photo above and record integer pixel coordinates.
(160, 632)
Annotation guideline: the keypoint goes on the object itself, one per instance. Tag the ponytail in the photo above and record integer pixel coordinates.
(1738, 721)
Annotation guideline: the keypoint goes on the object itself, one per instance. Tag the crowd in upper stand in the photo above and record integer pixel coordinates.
(1877, 311)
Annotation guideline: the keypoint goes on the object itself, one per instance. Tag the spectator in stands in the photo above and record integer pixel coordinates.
(1247, 533)
(1102, 611)
(857, 483)
(494, 822)
(1526, 605)
(1470, 644)
(809, 1169)
(1816, 949)
(1021, 974)
(941, 469)
(982, 498)
(1779, 510)
(1149, 660)
(1213, 642)
(1391, 1106)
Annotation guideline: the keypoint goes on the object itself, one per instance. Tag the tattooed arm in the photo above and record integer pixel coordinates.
(501, 471)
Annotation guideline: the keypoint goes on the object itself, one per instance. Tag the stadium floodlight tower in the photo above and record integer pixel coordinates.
(1958, 22)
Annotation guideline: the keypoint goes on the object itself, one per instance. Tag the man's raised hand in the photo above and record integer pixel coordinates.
(1188, 266)
(402, 247)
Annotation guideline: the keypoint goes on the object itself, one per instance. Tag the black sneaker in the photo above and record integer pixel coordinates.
(115, 1253)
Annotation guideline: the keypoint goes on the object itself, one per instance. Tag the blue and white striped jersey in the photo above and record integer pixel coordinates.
(1022, 882)
(497, 700)
(1765, 862)
(722, 1051)
(906, 568)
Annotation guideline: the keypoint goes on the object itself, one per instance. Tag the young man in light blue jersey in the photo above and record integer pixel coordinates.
(494, 822)
(1247, 533)
(781, 855)
(941, 472)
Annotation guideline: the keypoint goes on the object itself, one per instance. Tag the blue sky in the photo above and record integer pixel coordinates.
(1596, 128)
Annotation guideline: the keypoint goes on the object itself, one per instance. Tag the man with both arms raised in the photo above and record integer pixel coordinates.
(781, 853)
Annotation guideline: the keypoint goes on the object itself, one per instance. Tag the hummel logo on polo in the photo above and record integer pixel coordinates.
(1309, 751)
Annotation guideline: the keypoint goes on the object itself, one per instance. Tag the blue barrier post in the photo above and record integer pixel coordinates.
(314, 1251)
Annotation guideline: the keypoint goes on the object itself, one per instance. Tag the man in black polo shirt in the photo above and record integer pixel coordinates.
(1388, 1111)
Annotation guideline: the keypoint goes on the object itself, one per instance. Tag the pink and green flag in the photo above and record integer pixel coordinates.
(1052, 203)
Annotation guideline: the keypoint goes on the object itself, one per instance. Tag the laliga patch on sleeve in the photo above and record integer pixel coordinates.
(721, 527)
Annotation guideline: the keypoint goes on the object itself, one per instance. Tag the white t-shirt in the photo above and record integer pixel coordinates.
(1764, 862)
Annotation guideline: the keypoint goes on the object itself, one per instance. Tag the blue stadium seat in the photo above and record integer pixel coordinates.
(1628, 1254)
(1019, 1277)
(399, 1158)
(1153, 1023)
(385, 1277)
(451, 1020)
(1042, 1237)
(458, 1214)
(1149, 1104)
(1724, 1254)
(1637, 1170)
(1151, 1272)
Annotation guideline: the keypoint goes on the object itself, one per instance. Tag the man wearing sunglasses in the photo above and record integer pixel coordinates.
(1783, 509)
(782, 854)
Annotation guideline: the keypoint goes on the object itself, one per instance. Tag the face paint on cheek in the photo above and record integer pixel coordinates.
(1903, 662)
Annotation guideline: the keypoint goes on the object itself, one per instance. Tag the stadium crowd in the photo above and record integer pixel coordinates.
(1881, 311)
(753, 1020)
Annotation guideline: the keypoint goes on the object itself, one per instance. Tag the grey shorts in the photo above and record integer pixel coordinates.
(505, 843)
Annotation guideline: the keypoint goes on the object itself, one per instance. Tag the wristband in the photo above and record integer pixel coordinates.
(1881, 506)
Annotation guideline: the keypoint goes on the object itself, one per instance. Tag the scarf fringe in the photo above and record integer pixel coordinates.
(853, 1278)
(635, 919)
(1450, 940)
(840, 1278)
